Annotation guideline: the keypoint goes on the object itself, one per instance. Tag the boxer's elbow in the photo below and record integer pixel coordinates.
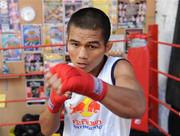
(140, 112)
(48, 125)
(44, 129)
(140, 107)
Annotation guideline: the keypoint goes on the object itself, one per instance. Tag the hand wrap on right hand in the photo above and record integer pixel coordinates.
(78, 81)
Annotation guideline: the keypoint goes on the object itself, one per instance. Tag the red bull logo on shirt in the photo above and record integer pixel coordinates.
(86, 108)
(87, 124)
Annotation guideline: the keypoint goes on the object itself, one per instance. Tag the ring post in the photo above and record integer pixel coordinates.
(138, 55)
(153, 51)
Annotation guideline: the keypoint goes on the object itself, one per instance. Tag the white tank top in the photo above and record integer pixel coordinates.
(86, 117)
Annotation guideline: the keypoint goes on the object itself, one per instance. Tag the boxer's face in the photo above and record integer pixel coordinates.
(86, 48)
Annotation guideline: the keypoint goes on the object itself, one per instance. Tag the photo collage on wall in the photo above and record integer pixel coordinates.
(132, 15)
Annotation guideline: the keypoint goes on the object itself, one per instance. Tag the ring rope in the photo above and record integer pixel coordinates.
(168, 44)
(41, 73)
(46, 45)
(157, 126)
(164, 104)
(21, 74)
(165, 74)
(37, 46)
(18, 123)
(23, 100)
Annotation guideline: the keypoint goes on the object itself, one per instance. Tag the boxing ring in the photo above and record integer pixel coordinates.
(151, 115)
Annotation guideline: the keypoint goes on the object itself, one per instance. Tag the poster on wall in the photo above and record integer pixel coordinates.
(53, 11)
(9, 16)
(33, 63)
(70, 8)
(131, 15)
(4, 17)
(51, 59)
(110, 8)
(11, 41)
(35, 90)
(14, 18)
(31, 37)
(53, 35)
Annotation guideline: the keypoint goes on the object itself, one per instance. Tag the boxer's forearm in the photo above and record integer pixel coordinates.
(125, 102)
(49, 122)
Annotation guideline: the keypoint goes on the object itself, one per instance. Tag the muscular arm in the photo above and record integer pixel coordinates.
(126, 98)
(49, 122)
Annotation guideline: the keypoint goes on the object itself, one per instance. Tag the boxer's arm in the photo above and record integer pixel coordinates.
(126, 98)
(50, 117)
(49, 122)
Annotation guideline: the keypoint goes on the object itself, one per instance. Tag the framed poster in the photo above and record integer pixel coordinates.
(11, 41)
(14, 18)
(31, 35)
(35, 90)
(53, 11)
(4, 17)
(70, 8)
(33, 63)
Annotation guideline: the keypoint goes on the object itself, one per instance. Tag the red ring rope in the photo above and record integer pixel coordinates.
(168, 44)
(21, 74)
(18, 123)
(164, 104)
(23, 100)
(165, 74)
(157, 126)
(45, 46)
(37, 46)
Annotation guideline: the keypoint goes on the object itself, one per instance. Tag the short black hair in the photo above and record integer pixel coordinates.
(91, 18)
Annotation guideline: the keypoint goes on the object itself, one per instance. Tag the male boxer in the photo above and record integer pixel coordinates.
(100, 94)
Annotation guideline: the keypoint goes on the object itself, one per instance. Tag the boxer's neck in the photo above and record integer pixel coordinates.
(98, 69)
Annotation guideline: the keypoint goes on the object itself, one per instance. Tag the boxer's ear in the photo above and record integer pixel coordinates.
(108, 46)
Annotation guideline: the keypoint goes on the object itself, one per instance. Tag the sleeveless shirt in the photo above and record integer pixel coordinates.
(86, 117)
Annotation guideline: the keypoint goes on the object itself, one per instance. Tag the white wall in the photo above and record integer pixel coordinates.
(165, 18)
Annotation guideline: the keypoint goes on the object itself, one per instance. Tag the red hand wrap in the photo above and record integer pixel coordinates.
(55, 102)
(78, 81)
